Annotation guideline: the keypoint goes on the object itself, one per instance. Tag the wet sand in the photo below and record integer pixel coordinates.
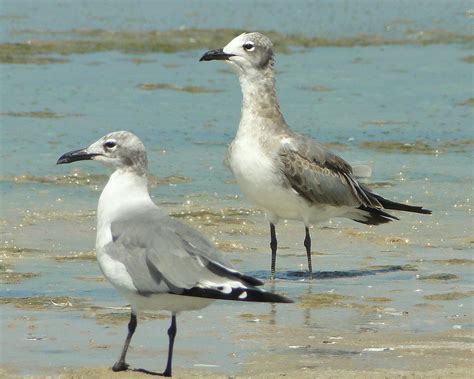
(409, 308)
(293, 354)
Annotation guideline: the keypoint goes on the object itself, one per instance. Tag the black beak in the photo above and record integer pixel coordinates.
(76, 155)
(216, 55)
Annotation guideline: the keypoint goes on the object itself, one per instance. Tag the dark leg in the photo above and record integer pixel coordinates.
(132, 325)
(307, 244)
(273, 245)
(171, 334)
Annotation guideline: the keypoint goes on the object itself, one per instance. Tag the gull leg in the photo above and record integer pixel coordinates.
(171, 333)
(307, 244)
(273, 246)
(120, 365)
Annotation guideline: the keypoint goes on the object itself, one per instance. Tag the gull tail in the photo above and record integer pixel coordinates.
(388, 204)
(374, 213)
(371, 216)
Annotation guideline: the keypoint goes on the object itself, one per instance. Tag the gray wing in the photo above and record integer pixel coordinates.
(165, 255)
(320, 176)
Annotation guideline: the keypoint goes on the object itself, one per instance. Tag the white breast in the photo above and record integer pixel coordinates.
(260, 180)
(116, 273)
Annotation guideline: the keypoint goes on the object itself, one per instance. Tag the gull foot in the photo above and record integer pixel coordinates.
(120, 366)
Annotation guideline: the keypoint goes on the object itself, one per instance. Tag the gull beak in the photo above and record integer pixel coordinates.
(216, 55)
(76, 155)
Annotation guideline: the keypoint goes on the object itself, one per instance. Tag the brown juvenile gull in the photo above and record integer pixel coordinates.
(153, 260)
(289, 175)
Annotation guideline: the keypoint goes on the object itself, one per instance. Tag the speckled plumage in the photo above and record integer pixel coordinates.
(285, 173)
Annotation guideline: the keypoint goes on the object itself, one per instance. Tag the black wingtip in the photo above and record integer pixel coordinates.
(393, 205)
(238, 294)
(425, 211)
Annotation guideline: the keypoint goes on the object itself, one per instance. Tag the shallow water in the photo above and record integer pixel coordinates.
(402, 109)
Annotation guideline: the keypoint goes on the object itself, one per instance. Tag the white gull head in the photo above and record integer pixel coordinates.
(248, 53)
(117, 150)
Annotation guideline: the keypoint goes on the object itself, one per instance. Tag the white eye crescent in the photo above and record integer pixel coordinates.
(109, 144)
(249, 46)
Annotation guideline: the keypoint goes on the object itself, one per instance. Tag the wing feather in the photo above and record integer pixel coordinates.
(320, 176)
(162, 254)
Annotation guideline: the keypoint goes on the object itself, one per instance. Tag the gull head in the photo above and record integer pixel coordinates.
(248, 53)
(118, 150)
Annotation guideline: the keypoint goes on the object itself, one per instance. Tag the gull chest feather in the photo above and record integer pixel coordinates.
(251, 166)
(259, 178)
(122, 194)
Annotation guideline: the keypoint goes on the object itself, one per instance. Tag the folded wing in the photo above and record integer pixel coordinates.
(168, 256)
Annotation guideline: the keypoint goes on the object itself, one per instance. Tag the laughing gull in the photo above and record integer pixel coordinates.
(154, 261)
(289, 175)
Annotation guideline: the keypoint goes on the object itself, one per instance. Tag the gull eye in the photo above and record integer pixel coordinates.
(249, 46)
(110, 144)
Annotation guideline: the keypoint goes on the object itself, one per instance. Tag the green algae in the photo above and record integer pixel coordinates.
(77, 178)
(168, 180)
(84, 41)
(141, 60)
(419, 147)
(39, 114)
(118, 318)
(376, 299)
(255, 317)
(211, 217)
(44, 302)
(322, 300)
(468, 59)
(407, 267)
(30, 59)
(440, 276)
(384, 122)
(468, 103)
(429, 306)
(82, 256)
(381, 184)
(96, 279)
(455, 295)
(50, 215)
(16, 277)
(174, 87)
(454, 261)
(317, 88)
(73, 179)
(229, 246)
(9, 276)
(457, 146)
(12, 17)
(16, 251)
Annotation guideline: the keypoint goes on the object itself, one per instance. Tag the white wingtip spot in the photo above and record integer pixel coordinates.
(243, 295)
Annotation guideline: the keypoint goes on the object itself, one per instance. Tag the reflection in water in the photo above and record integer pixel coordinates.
(302, 276)
(307, 311)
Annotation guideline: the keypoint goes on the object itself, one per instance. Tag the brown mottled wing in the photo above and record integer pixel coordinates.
(320, 176)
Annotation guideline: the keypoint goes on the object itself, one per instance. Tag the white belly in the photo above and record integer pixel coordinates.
(117, 275)
(261, 182)
(167, 302)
